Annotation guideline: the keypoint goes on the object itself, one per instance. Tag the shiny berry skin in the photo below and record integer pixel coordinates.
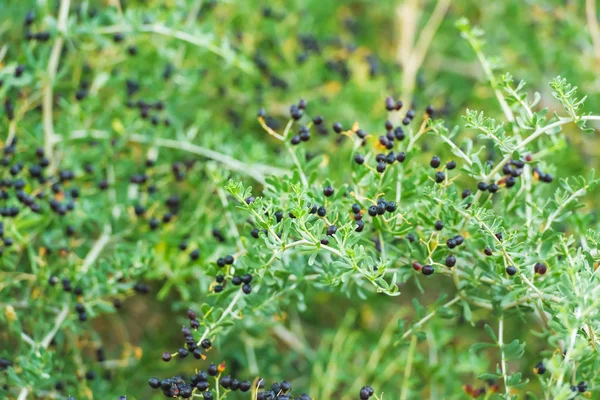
(390, 105)
(331, 230)
(400, 157)
(295, 140)
(337, 127)
(166, 356)
(318, 120)
(372, 211)
(359, 159)
(212, 370)
(328, 191)
(465, 193)
(450, 261)
(539, 368)
(154, 383)
(482, 186)
(439, 177)
(488, 251)
(451, 243)
(245, 386)
(427, 270)
(399, 133)
(540, 268)
(380, 167)
(450, 165)
(439, 225)
(435, 162)
(391, 206)
(511, 270)
(247, 288)
(360, 226)
(493, 188)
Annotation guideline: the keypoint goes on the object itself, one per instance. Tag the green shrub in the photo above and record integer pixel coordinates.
(422, 225)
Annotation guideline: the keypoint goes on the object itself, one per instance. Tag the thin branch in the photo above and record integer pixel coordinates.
(592, 21)
(47, 104)
(96, 249)
(502, 356)
(60, 318)
(256, 171)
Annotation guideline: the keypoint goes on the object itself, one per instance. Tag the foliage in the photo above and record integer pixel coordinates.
(145, 185)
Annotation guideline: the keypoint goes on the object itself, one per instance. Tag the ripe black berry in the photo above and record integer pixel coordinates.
(488, 251)
(318, 120)
(540, 268)
(166, 356)
(493, 188)
(440, 177)
(381, 167)
(450, 165)
(450, 261)
(482, 186)
(372, 211)
(511, 270)
(359, 159)
(427, 270)
(337, 127)
(438, 225)
(451, 243)
(391, 206)
(212, 370)
(328, 191)
(154, 383)
(539, 368)
(331, 230)
(206, 344)
(435, 162)
(247, 288)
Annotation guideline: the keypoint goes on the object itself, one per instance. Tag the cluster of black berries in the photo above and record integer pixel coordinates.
(439, 175)
(580, 388)
(387, 159)
(237, 280)
(425, 269)
(42, 36)
(278, 391)
(542, 176)
(145, 107)
(382, 207)
(190, 342)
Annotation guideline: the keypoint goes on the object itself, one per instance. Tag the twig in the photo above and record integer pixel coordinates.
(232, 224)
(47, 105)
(222, 317)
(502, 356)
(590, 12)
(408, 368)
(60, 318)
(96, 249)
(256, 171)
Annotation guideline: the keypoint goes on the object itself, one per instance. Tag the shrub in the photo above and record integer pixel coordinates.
(287, 249)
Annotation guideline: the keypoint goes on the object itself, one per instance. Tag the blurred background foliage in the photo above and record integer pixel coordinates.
(344, 57)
